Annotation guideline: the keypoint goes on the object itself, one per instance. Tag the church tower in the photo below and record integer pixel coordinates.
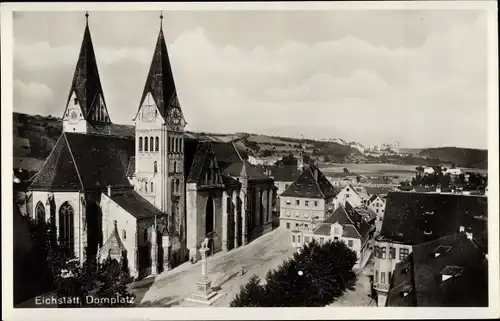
(86, 110)
(159, 136)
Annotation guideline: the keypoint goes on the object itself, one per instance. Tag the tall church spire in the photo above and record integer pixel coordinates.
(160, 80)
(86, 95)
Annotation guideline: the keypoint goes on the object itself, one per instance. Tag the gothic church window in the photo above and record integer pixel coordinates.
(124, 234)
(152, 187)
(177, 185)
(145, 235)
(175, 167)
(146, 144)
(151, 143)
(157, 144)
(66, 226)
(40, 212)
(140, 144)
(155, 167)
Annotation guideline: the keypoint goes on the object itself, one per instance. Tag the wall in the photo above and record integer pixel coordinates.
(125, 221)
(299, 238)
(385, 265)
(348, 194)
(73, 198)
(196, 205)
(300, 214)
(378, 206)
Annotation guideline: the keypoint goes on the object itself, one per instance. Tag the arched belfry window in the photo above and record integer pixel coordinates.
(151, 143)
(157, 144)
(177, 145)
(175, 167)
(140, 144)
(146, 144)
(40, 212)
(152, 189)
(66, 226)
(155, 167)
(177, 184)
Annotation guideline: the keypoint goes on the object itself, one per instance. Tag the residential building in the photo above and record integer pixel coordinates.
(451, 271)
(310, 197)
(377, 204)
(255, 161)
(344, 225)
(349, 194)
(414, 218)
(152, 198)
(453, 171)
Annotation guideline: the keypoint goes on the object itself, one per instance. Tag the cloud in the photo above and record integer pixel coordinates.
(342, 87)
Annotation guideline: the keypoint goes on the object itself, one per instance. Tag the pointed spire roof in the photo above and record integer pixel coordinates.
(86, 82)
(114, 245)
(160, 81)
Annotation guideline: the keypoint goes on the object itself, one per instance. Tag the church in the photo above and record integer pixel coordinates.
(148, 200)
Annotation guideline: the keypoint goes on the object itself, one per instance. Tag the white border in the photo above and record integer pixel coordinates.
(248, 313)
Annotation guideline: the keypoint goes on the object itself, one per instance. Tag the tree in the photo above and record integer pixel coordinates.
(420, 168)
(70, 278)
(251, 294)
(326, 274)
(346, 171)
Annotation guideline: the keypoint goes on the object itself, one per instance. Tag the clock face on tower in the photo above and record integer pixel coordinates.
(148, 113)
(73, 116)
(174, 116)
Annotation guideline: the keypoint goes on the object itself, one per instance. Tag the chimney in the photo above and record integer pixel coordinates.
(109, 190)
(461, 229)
(469, 235)
(438, 189)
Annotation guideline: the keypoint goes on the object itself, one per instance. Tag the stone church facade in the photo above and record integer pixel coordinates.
(152, 198)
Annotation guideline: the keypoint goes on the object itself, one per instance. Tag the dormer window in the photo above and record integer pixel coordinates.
(75, 101)
(440, 250)
(450, 271)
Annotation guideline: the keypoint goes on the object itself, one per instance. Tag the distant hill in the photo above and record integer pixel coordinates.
(461, 157)
(35, 136)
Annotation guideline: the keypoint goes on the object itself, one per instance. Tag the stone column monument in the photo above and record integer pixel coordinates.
(204, 294)
(154, 252)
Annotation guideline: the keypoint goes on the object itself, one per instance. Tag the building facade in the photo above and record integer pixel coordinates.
(415, 218)
(344, 225)
(309, 198)
(377, 205)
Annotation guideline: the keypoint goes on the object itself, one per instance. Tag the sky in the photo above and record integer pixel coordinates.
(416, 77)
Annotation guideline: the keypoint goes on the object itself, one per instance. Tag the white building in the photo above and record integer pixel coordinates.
(310, 197)
(377, 204)
(343, 226)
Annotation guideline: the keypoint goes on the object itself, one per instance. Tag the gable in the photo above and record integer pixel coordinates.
(97, 110)
(73, 104)
(148, 115)
(204, 168)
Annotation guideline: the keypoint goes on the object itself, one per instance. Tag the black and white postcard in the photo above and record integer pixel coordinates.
(184, 160)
